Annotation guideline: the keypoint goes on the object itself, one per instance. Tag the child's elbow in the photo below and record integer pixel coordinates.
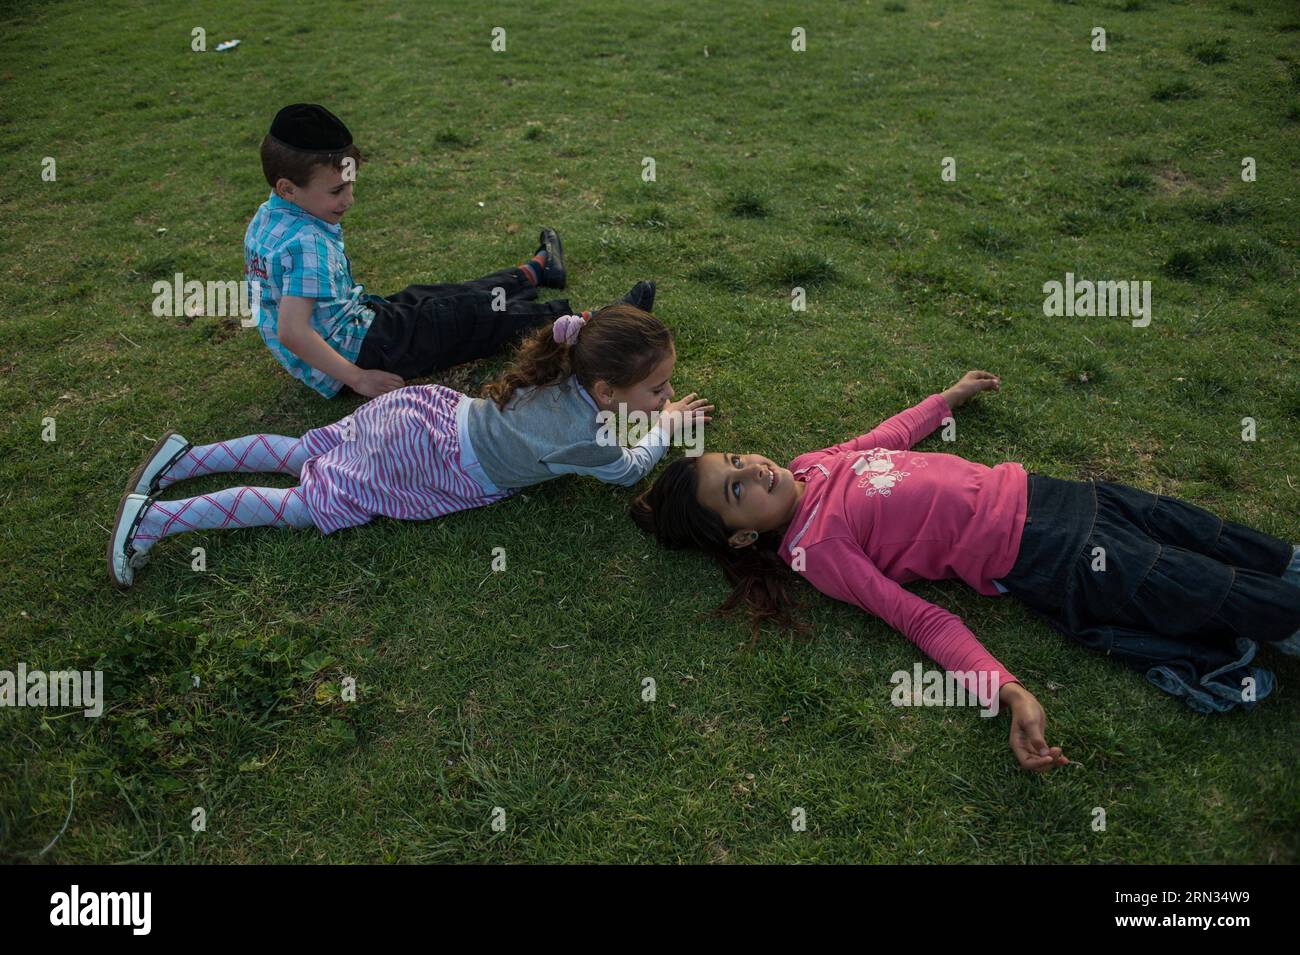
(290, 336)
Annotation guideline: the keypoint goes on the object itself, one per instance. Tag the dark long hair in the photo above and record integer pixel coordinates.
(758, 576)
(620, 344)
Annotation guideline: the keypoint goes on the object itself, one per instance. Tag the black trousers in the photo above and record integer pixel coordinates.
(1146, 576)
(424, 328)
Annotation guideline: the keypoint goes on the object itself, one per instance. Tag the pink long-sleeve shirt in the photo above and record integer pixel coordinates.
(876, 515)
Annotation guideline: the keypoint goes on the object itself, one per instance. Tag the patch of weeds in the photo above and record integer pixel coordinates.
(1137, 159)
(1220, 211)
(1209, 52)
(166, 266)
(806, 269)
(1231, 260)
(451, 138)
(863, 224)
(1075, 223)
(1253, 257)
(721, 273)
(1205, 392)
(616, 247)
(1220, 471)
(652, 216)
(952, 293)
(219, 329)
(1083, 371)
(168, 682)
(990, 238)
(1136, 180)
(746, 204)
(1182, 264)
(1174, 90)
(807, 169)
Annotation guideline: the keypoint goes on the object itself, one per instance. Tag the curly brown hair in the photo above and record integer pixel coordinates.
(620, 345)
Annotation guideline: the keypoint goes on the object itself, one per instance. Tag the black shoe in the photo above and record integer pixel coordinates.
(642, 296)
(553, 275)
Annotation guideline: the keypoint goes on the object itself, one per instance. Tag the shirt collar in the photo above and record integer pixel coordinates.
(807, 468)
(275, 203)
(803, 530)
(573, 380)
(793, 542)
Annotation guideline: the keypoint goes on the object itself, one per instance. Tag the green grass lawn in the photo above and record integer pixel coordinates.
(522, 689)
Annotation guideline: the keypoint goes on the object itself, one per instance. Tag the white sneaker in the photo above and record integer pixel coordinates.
(171, 447)
(123, 561)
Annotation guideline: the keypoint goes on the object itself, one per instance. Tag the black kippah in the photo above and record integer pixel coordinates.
(309, 128)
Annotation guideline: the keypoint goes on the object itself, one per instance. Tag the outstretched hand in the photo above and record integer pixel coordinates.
(971, 383)
(687, 408)
(1028, 722)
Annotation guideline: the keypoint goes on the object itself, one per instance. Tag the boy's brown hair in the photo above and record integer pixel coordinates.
(283, 162)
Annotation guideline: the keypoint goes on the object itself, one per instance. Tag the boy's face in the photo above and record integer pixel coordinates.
(327, 194)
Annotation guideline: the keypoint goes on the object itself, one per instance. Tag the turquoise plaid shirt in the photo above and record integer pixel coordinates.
(288, 251)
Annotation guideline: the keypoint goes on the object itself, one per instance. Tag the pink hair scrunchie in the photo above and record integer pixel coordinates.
(566, 329)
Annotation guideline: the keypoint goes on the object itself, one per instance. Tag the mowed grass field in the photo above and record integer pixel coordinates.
(522, 689)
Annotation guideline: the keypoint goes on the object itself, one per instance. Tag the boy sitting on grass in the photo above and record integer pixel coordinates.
(322, 326)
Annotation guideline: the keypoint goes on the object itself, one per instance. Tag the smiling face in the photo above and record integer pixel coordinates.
(648, 395)
(327, 194)
(751, 493)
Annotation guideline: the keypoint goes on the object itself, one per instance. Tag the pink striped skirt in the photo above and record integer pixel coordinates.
(397, 455)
